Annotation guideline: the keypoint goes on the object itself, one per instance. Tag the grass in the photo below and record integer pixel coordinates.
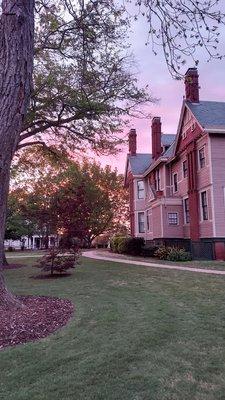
(137, 334)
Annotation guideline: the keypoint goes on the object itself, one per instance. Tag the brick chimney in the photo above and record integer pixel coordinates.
(132, 142)
(191, 85)
(156, 138)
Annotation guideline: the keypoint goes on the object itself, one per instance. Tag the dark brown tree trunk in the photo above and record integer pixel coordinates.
(16, 68)
(5, 262)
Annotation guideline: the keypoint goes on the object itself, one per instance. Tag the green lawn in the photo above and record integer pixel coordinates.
(137, 334)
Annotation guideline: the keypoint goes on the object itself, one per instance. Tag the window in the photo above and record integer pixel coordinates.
(185, 169)
(157, 180)
(184, 134)
(201, 155)
(175, 186)
(186, 211)
(140, 189)
(173, 218)
(204, 206)
(141, 222)
(193, 126)
(148, 220)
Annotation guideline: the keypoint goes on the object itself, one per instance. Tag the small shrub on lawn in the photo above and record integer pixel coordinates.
(172, 254)
(59, 261)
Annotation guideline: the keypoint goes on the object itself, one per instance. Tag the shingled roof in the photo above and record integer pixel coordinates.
(139, 163)
(167, 139)
(210, 114)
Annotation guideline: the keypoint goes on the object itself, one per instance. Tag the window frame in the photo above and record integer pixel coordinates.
(175, 174)
(185, 170)
(148, 220)
(140, 190)
(204, 206)
(157, 180)
(176, 219)
(141, 222)
(186, 210)
(201, 159)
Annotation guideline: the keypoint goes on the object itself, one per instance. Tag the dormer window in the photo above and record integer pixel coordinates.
(140, 190)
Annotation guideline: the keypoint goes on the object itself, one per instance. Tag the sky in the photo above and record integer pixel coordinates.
(153, 71)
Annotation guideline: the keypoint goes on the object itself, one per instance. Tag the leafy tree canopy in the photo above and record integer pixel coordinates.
(76, 199)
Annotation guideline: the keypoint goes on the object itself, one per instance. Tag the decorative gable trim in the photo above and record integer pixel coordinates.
(181, 119)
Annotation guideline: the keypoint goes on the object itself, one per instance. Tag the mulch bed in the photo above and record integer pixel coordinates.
(13, 266)
(40, 317)
(49, 276)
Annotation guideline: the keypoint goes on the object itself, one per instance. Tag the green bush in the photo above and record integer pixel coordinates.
(122, 245)
(162, 252)
(127, 245)
(134, 246)
(177, 254)
(117, 241)
(172, 254)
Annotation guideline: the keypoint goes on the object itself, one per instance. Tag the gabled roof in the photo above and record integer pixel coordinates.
(169, 152)
(139, 163)
(210, 114)
(167, 139)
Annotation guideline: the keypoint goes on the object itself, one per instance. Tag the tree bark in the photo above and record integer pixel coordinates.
(5, 262)
(16, 68)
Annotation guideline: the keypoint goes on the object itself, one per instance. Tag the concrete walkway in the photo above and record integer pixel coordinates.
(94, 254)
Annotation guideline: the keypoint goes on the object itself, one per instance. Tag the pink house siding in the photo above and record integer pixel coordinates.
(157, 221)
(218, 177)
(171, 231)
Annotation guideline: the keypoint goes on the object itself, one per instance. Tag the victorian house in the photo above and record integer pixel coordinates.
(177, 193)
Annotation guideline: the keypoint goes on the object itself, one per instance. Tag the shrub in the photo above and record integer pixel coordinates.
(149, 251)
(59, 261)
(177, 254)
(172, 254)
(122, 245)
(162, 252)
(127, 245)
(134, 246)
(115, 242)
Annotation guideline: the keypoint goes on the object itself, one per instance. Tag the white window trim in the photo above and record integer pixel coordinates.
(173, 212)
(140, 212)
(142, 191)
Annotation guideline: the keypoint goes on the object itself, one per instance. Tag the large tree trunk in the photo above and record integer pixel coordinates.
(5, 262)
(16, 68)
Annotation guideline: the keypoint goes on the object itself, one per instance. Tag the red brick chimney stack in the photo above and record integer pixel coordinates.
(156, 137)
(191, 85)
(133, 142)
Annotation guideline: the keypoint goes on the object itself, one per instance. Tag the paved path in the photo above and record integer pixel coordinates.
(95, 255)
(24, 256)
